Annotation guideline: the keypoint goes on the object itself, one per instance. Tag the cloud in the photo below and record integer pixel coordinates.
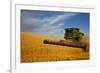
(59, 18)
(50, 26)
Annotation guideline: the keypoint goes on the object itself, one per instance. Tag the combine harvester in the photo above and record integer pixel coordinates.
(72, 39)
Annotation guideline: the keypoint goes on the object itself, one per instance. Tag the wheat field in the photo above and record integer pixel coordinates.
(34, 50)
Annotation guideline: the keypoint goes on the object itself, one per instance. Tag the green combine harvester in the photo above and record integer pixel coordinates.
(72, 38)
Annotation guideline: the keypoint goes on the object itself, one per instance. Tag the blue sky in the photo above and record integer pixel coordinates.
(53, 23)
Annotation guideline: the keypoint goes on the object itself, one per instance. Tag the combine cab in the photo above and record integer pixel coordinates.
(73, 33)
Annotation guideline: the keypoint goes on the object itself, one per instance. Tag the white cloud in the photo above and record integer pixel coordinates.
(61, 17)
(61, 24)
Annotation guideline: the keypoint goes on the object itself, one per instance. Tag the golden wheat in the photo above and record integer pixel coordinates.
(33, 50)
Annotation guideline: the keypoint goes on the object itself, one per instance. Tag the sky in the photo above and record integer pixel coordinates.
(53, 23)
